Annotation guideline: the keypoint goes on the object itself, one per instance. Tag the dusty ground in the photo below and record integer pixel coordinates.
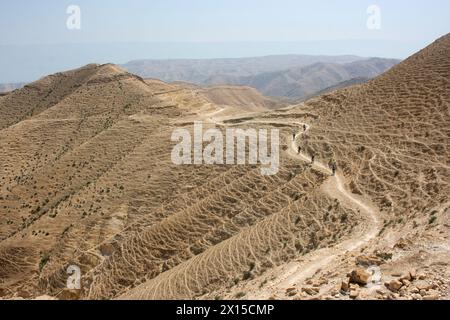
(87, 179)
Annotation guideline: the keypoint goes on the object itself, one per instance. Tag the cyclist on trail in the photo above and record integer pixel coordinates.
(304, 127)
(313, 158)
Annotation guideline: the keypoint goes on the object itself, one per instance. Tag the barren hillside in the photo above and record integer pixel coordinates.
(244, 97)
(87, 180)
(390, 139)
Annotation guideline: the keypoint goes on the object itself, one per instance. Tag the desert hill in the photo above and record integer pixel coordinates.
(401, 115)
(238, 96)
(87, 177)
(87, 180)
(390, 139)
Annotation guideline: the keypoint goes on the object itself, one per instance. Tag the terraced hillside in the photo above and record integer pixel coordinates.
(390, 140)
(87, 180)
(391, 136)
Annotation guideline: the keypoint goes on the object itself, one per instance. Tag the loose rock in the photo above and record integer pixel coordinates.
(394, 285)
(354, 294)
(345, 285)
(310, 291)
(359, 276)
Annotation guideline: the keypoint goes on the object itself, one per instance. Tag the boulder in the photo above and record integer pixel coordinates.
(406, 276)
(354, 294)
(394, 285)
(310, 291)
(368, 261)
(290, 292)
(360, 276)
(406, 282)
(334, 292)
(354, 286)
(345, 285)
(414, 290)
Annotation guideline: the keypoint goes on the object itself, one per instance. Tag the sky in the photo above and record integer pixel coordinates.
(35, 39)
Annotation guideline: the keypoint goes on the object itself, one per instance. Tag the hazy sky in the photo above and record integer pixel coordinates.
(116, 30)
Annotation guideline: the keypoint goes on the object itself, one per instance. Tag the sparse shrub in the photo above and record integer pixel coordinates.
(384, 255)
(247, 275)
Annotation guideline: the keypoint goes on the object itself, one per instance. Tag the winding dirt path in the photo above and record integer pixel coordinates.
(297, 272)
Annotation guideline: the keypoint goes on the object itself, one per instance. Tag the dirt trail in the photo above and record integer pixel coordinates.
(297, 272)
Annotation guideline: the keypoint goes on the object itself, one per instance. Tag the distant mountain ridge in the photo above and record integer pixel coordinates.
(200, 70)
(290, 76)
(6, 87)
(307, 81)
